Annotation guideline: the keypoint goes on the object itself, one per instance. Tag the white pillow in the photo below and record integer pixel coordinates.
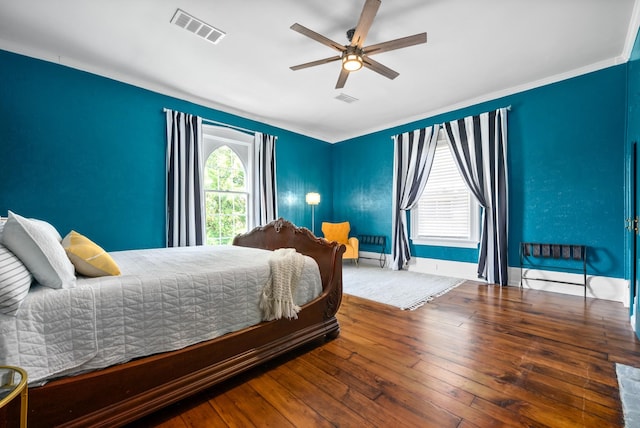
(15, 281)
(37, 245)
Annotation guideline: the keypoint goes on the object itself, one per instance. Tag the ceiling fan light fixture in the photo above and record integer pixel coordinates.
(352, 61)
(352, 56)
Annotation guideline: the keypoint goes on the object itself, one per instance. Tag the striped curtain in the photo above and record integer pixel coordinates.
(479, 146)
(414, 152)
(265, 203)
(185, 202)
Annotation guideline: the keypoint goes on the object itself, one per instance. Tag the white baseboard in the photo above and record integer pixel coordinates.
(445, 268)
(423, 265)
(369, 258)
(600, 287)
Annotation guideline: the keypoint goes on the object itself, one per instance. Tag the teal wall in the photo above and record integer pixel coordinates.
(88, 153)
(633, 136)
(566, 170)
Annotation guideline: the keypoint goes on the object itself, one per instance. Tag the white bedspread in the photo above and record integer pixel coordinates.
(164, 300)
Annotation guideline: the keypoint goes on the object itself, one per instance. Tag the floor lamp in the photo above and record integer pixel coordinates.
(313, 199)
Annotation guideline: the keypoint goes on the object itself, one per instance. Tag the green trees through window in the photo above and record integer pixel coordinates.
(226, 196)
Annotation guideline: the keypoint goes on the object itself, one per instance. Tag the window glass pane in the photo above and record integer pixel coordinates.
(226, 199)
(224, 171)
(226, 216)
(445, 206)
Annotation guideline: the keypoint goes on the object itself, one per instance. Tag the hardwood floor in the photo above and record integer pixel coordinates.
(479, 356)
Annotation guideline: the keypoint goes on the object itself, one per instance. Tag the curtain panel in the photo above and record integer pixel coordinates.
(479, 146)
(265, 201)
(185, 202)
(413, 158)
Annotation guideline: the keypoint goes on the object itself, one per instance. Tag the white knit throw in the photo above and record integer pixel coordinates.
(277, 295)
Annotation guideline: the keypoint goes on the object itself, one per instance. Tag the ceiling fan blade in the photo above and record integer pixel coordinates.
(379, 68)
(364, 24)
(342, 78)
(314, 63)
(402, 42)
(317, 37)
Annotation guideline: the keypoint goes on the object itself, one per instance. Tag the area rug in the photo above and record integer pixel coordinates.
(403, 289)
(629, 382)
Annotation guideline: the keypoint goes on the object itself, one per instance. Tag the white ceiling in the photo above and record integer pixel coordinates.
(476, 50)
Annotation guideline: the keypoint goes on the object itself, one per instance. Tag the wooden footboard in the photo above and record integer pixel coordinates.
(283, 234)
(126, 392)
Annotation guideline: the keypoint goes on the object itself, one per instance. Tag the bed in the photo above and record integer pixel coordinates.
(124, 392)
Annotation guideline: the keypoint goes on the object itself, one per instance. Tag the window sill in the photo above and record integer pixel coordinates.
(443, 242)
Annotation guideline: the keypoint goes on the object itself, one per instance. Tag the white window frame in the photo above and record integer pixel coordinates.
(242, 145)
(474, 220)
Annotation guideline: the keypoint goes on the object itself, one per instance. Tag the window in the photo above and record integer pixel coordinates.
(227, 183)
(447, 214)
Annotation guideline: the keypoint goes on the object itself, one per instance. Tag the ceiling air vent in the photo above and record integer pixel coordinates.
(346, 98)
(199, 28)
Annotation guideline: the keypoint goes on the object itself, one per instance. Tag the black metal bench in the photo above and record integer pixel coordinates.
(376, 241)
(533, 255)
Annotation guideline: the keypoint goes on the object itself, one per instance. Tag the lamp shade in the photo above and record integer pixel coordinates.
(313, 198)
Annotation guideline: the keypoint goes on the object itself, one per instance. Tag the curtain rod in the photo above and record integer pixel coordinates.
(507, 107)
(215, 122)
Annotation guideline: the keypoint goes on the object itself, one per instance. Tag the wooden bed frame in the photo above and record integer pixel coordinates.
(123, 393)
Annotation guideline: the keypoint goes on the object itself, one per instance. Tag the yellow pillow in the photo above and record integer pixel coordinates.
(338, 232)
(87, 257)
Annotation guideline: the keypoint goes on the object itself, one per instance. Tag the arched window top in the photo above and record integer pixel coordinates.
(228, 180)
(224, 171)
(215, 137)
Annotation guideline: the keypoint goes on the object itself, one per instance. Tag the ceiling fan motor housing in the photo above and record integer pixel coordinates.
(350, 34)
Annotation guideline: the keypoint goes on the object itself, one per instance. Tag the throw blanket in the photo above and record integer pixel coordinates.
(277, 295)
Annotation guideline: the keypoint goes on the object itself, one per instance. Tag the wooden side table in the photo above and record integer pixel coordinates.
(13, 382)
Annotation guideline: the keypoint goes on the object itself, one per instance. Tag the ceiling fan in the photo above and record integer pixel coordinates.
(354, 56)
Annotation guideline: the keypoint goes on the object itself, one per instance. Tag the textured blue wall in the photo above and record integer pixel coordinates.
(302, 169)
(566, 170)
(88, 153)
(633, 136)
(363, 169)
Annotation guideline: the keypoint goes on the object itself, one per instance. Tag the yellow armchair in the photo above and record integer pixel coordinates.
(339, 232)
